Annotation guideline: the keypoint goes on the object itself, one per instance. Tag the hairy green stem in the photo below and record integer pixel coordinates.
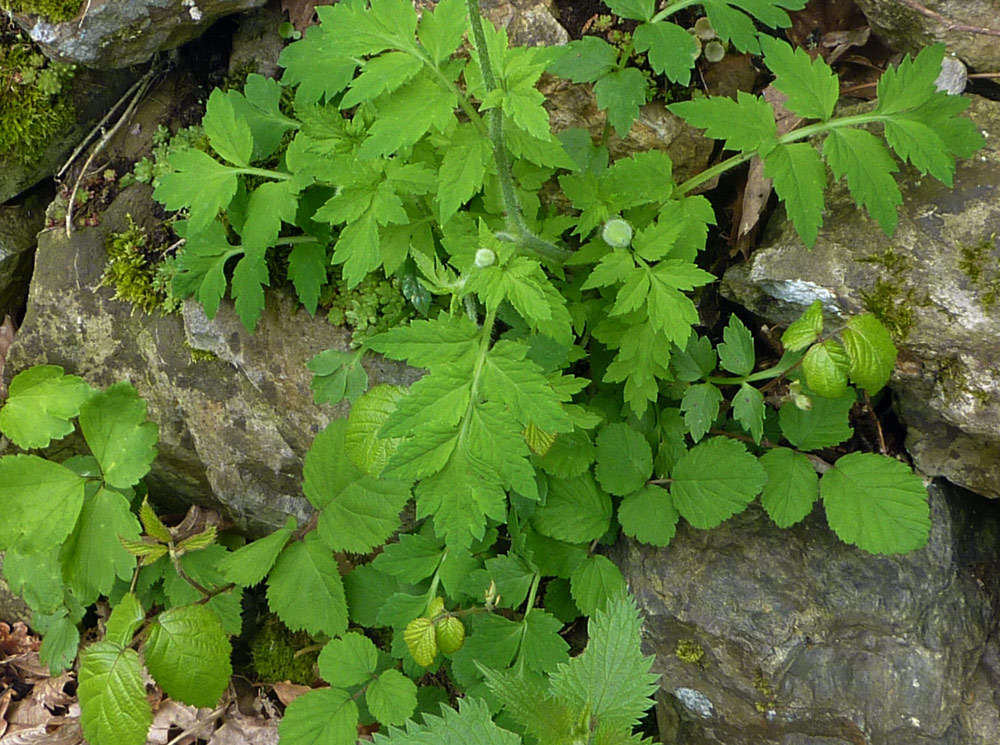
(251, 171)
(674, 8)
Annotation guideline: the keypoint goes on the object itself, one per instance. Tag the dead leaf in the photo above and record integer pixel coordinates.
(174, 715)
(288, 692)
(241, 730)
(301, 12)
(16, 639)
(58, 731)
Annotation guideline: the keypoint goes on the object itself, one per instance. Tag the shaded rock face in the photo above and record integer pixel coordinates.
(233, 429)
(115, 34)
(19, 224)
(906, 29)
(936, 285)
(766, 636)
(528, 22)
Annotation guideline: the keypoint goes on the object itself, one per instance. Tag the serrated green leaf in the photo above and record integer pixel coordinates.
(367, 451)
(748, 409)
(472, 723)
(125, 618)
(639, 10)
(792, 486)
(348, 661)
(715, 480)
(746, 124)
(731, 24)
(805, 329)
(114, 425)
(463, 169)
(337, 375)
(825, 366)
(307, 271)
(911, 83)
(649, 516)
(259, 106)
(407, 114)
(527, 699)
(151, 524)
(595, 583)
(624, 459)
(411, 559)
(37, 578)
(870, 352)
(695, 360)
(576, 510)
(441, 31)
(736, 353)
(876, 503)
(426, 343)
(250, 276)
(40, 403)
(519, 384)
(799, 179)
(227, 130)
(542, 647)
(511, 577)
(864, 160)
(327, 716)
(401, 608)
(367, 590)
(200, 184)
(187, 652)
(441, 398)
(621, 93)
(59, 648)
(391, 697)
(382, 74)
(919, 145)
(824, 425)
(305, 589)
(201, 266)
(93, 556)
(316, 66)
(810, 84)
(249, 564)
(40, 501)
(201, 567)
(585, 60)
(672, 51)
(570, 455)
(113, 705)
(700, 405)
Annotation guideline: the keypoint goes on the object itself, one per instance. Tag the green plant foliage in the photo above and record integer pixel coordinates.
(112, 695)
(187, 653)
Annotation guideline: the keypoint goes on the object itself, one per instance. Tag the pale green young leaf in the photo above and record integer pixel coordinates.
(595, 583)
(715, 480)
(748, 409)
(114, 425)
(59, 647)
(670, 48)
(40, 403)
(472, 723)
(40, 501)
(649, 516)
(746, 124)
(519, 384)
(700, 405)
(911, 83)
(824, 425)
(799, 180)
(113, 705)
(407, 114)
(810, 84)
(382, 74)
(307, 266)
(315, 65)
(633, 292)
(585, 60)
(868, 166)
(198, 183)
(870, 351)
(151, 523)
(348, 661)
(611, 678)
(326, 716)
(624, 459)
(93, 556)
(825, 367)
(187, 653)
(441, 31)
(249, 278)
(512, 579)
(805, 329)
(368, 451)
(876, 503)
(227, 130)
(391, 697)
(201, 266)
(425, 343)
(337, 375)
(305, 589)
(542, 648)
(575, 510)
(621, 93)
(249, 564)
(736, 353)
(463, 169)
(792, 486)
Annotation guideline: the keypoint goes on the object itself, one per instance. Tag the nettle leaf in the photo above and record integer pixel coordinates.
(624, 459)
(876, 503)
(748, 409)
(700, 405)
(113, 705)
(199, 183)
(805, 330)
(249, 564)
(40, 501)
(621, 93)
(392, 697)
(595, 583)
(348, 661)
(113, 423)
(326, 716)
(792, 486)
(305, 589)
(585, 60)
(187, 652)
(358, 512)
(649, 515)
(870, 351)
(746, 124)
(337, 375)
(672, 51)
(800, 181)
(472, 723)
(810, 84)
(715, 480)
(575, 510)
(825, 424)
(825, 366)
(40, 403)
(736, 353)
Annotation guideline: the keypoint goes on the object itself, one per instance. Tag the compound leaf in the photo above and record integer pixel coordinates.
(863, 159)
(337, 375)
(113, 705)
(621, 93)
(715, 480)
(700, 405)
(40, 403)
(748, 409)
(201, 266)
(810, 84)
(126, 617)
(201, 184)
(585, 60)
(671, 50)
(799, 180)
(188, 652)
(114, 425)
(746, 124)
(307, 271)
(736, 353)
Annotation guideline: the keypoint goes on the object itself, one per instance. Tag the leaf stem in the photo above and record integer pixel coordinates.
(673, 8)
(252, 171)
(532, 593)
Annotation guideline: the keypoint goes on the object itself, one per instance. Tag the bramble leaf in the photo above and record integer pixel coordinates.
(305, 589)
(59, 648)
(870, 352)
(249, 564)
(40, 403)
(126, 617)
(113, 423)
(792, 486)
(325, 716)
(825, 366)
(113, 705)
(715, 480)
(188, 652)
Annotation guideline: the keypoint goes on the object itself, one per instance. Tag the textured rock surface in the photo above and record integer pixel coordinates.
(19, 225)
(528, 22)
(908, 30)
(115, 34)
(234, 429)
(808, 641)
(935, 283)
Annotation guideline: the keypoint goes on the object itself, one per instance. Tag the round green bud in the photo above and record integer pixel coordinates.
(617, 233)
(485, 257)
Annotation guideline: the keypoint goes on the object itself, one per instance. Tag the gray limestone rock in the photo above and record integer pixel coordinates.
(935, 284)
(115, 34)
(766, 636)
(19, 225)
(234, 428)
(528, 22)
(954, 22)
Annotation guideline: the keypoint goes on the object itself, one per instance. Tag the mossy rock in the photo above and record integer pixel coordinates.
(52, 10)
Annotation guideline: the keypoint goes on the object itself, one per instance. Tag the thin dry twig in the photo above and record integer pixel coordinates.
(949, 24)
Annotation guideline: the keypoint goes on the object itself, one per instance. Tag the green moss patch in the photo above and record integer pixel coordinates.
(33, 106)
(53, 10)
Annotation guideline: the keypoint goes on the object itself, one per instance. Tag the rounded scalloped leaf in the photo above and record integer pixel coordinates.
(421, 641)
(871, 352)
(715, 480)
(792, 486)
(624, 459)
(876, 503)
(450, 635)
(348, 661)
(367, 451)
(649, 516)
(391, 697)
(825, 367)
